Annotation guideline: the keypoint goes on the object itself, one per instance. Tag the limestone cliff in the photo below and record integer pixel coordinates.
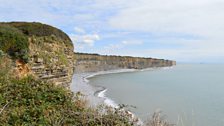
(51, 59)
(94, 62)
(38, 49)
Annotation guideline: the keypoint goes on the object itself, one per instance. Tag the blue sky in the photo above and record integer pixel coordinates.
(185, 31)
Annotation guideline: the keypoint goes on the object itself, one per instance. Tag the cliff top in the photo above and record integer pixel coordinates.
(14, 37)
(95, 54)
(37, 29)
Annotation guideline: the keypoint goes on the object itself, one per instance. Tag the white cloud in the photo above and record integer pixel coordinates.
(82, 41)
(116, 47)
(79, 30)
(110, 49)
(132, 42)
(202, 18)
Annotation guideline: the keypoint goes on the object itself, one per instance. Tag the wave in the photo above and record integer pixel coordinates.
(107, 101)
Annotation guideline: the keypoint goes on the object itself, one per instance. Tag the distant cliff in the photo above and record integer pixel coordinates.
(38, 49)
(94, 62)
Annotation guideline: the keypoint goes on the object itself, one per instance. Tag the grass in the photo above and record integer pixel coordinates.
(52, 49)
(39, 29)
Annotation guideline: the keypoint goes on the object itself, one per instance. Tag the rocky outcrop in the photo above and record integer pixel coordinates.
(51, 60)
(94, 62)
(38, 49)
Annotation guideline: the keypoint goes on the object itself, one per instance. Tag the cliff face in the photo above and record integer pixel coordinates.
(51, 59)
(95, 62)
(38, 49)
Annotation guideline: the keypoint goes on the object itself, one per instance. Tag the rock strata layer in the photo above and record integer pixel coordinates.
(51, 60)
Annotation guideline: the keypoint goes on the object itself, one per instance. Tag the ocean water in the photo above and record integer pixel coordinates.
(188, 94)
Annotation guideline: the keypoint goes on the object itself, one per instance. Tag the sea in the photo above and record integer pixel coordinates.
(185, 94)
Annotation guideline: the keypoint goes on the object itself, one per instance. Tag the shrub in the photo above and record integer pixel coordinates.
(13, 42)
(5, 68)
(1, 53)
(34, 102)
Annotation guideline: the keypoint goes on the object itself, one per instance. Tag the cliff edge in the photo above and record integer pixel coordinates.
(38, 49)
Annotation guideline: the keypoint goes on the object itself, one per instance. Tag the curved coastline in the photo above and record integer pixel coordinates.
(100, 91)
(96, 95)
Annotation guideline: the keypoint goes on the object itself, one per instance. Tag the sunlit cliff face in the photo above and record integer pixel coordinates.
(21, 70)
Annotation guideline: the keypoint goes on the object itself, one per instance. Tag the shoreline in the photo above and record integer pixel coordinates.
(101, 93)
(95, 95)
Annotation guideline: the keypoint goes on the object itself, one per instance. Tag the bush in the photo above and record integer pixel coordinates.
(1, 53)
(13, 42)
(5, 68)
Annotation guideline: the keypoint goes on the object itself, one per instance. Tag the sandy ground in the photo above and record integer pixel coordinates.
(80, 84)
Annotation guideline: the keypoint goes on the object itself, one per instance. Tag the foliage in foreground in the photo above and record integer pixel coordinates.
(34, 102)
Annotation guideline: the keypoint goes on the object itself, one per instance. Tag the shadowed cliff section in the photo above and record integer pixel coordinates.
(95, 62)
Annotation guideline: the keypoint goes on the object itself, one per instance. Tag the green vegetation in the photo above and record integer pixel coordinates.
(53, 54)
(13, 42)
(40, 30)
(34, 102)
(14, 37)
(5, 67)
(62, 58)
(1, 53)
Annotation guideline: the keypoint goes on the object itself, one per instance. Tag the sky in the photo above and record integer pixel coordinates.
(181, 30)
